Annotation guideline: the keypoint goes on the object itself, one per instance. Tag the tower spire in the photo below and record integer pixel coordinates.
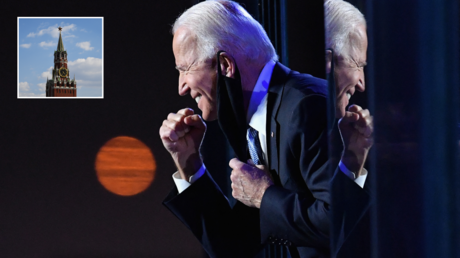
(60, 46)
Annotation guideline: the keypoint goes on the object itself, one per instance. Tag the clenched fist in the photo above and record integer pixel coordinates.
(356, 129)
(182, 134)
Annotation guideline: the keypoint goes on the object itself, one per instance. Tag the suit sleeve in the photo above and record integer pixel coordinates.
(302, 217)
(223, 231)
(349, 204)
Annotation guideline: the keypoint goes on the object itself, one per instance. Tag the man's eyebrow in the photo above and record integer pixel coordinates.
(180, 68)
(359, 64)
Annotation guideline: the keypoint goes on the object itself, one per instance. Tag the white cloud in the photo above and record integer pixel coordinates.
(53, 31)
(88, 73)
(46, 74)
(25, 45)
(24, 86)
(89, 69)
(41, 86)
(44, 44)
(85, 45)
(88, 84)
(31, 94)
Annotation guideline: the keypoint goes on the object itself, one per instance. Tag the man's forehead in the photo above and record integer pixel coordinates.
(182, 35)
(183, 47)
(357, 47)
(361, 41)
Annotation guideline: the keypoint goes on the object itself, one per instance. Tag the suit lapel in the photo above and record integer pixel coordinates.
(274, 99)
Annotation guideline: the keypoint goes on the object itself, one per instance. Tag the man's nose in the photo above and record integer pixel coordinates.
(360, 86)
(183, 88)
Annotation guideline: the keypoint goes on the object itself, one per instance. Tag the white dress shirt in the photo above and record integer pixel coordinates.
(360, 180)
(257, 110)
(257, 119)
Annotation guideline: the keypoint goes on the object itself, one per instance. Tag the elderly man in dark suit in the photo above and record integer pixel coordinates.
(228, 65)
(346, 43)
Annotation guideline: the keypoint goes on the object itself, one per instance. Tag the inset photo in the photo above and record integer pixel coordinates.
(60, 57)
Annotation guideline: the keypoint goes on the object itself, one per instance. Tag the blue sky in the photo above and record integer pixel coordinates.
(82, 39)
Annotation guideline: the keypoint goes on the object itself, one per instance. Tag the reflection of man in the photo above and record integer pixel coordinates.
(289, 203)
(346, 41)
(346, 36)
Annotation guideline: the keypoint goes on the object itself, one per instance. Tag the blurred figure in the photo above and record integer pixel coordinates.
(346, 43)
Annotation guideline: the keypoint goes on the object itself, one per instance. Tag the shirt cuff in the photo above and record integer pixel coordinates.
(182, 184)
(360, 180)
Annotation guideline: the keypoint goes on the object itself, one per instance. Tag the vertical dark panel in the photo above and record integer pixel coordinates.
(305, 34)
(439, 66)
(296, 29)
(273, 18)
(397, 107)
(414, 85)
(370, 89)
(283, 52)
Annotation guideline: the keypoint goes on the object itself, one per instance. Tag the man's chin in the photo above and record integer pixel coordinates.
(209, 117)
(339, 113)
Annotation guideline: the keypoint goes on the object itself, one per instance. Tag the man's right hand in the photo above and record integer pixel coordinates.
(182, 134)
(356, 129)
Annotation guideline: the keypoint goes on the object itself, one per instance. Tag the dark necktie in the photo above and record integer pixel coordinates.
(254, 148)
(257, 156)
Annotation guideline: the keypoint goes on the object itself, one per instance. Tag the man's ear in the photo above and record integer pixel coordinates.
(328, 61)
(227, 65)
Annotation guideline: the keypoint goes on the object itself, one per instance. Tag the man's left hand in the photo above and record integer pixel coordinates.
(249, 182)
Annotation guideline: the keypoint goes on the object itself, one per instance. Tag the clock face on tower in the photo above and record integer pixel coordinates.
(63, 72)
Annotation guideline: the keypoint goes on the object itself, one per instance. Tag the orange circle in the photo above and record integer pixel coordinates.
(125, 166)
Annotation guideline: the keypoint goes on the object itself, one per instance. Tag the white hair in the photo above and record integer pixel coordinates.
(225, 25)
(341, 22)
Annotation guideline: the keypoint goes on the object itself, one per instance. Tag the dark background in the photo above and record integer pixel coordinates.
(51, 203)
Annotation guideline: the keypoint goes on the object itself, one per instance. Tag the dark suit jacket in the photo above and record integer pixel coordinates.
(295, 211)
(350, 216)
(350, 208)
